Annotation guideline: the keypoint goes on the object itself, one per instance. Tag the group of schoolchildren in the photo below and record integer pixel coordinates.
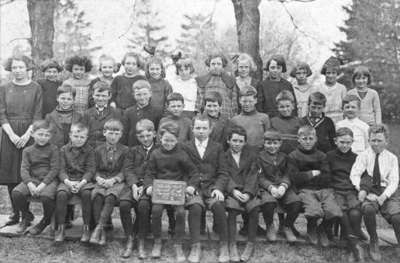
(294, 149)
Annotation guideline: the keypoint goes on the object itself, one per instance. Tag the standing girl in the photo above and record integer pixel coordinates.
(160, 87)
(244, 67)
(302, 89)
(185, 84)
(370, 110)
(79, 67)
(20, 106)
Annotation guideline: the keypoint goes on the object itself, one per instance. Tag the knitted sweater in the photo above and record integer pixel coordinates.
(160, 89)
(184, 124)
(121, 90)
(340, 165)
(306, 162)
(370, 110)
(288, 127)
(325, 132)
(334, 96)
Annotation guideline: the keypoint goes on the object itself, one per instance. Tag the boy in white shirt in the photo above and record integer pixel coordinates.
(351, 110)
(375, 174)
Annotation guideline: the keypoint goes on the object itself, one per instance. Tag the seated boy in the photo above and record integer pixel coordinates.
(340, 162)
(97, 116)
(77, 167)
(143, 109)
(351, 110)
(254, 122)
(286, 122)
(220, 125)
(170, 162)
(175, 106)
(323, 125)
(132, 196)
(312, 181)
(276, 188)
(240, 162)
(39, 169)
(375, 174)
(207, 155)
(111, 161)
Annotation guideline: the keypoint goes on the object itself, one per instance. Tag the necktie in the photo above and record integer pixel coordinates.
(376, 175)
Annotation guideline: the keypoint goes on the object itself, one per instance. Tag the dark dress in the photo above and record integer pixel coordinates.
(19, 106)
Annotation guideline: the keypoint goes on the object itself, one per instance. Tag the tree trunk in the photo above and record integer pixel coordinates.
(248, 30)
(41, 22)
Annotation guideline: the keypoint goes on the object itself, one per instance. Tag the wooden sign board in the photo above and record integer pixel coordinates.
(168, 192)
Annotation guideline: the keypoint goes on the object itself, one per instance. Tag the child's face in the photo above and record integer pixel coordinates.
(78, 71)
(361, 81)
(19, 69)
(272, 146)
(175, 107)
(112, 137)
(130, 66)
(51, 74)
(142, 96)
(351, 109)
(274, 70)
(101, 98)
(308, 141)
(316, 109)
(65, 100)
(107, 68)
(330, 76)
(378, 142)
(146, 137)
(78, 137)
(41, 136)
(301, 76)
(285, 108)
(184, 72)
(243, 68)
(201, 129)
(155, 71)
(344, 143)
(212, 108)
(216, 65)
(248, 103)
(168, 141)
(236, 143)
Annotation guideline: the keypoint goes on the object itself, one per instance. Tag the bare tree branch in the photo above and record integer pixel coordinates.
(5, 2)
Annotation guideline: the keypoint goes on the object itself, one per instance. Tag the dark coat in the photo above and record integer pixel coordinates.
(61, 135)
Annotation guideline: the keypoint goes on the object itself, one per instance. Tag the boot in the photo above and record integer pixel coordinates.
(129, 247)
(271, 232)
(13, 219)
(180, 257)
(36, 230)
(290, 237)
(248, 252)
(103, 237)
(323, 238)
(23, 225)
(142, 252)
(233, 252)
(60, 233)
(95, 238)
(312, 233)
(85, 234)
(223, 252)
(374, 251)
(195, 251)
(156, 252)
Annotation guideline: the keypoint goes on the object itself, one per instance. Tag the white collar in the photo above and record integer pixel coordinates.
(201, 143)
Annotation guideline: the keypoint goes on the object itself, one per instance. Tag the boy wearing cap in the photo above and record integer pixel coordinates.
(255, 123)
(275, 185)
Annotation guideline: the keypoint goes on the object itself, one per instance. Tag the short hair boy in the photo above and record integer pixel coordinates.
(312, 184)
(111, 165)
(143, 109)
(324, 126)
(39, 168)
(351, 109)
(340, 162)
(375, 174)
(286, 122)
(77, 167)
(276, 169)
(97, 116)
(175, 105)
(254, 122)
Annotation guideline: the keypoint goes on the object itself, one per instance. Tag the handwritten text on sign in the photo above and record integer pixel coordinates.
(168, 192)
